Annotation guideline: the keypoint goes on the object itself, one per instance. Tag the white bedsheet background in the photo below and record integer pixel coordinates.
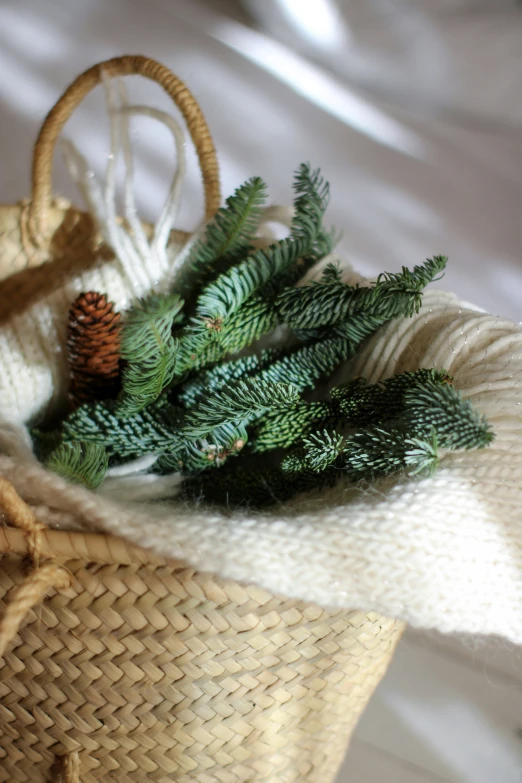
(404, 185)
(461, 57)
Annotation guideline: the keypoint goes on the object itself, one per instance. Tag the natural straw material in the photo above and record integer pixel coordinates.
(60, 113)
(45, 229)
(135, 669)
(150, 671)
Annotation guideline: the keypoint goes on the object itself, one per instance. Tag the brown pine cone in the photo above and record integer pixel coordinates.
(93, 347)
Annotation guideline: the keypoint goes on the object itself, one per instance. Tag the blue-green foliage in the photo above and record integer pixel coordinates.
(192, 397)
(80, 463)
(228, 236)
(410, 442)
(237, 307)
(243, 402)
(329, 301)
(150, 349)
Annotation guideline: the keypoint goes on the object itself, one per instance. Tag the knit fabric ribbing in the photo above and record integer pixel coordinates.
(443, 552)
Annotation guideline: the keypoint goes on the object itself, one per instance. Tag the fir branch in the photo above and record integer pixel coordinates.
(282, 428)
(148, 325)
(237, 308)
(356, 403)
(224, 441)
(361, 403)
(458, 425)
(331, 274)
(422, 457)
(243, 402)
(376, 451)
(225, 374)
(256, 318)
(367, 454)
(80, 463)
(356, 329)
(205, 453)
(287, 279)
(319, 463)
(231, 290)
(149, 347)
(303, 367)
(143, 382)
(310, 202)
(156, 430)
(329, 301)
(322, 450)
(227, 238)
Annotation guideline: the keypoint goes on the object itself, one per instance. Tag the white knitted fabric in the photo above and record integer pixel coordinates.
(442, 552)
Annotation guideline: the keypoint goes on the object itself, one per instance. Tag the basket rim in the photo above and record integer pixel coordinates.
(66, 545)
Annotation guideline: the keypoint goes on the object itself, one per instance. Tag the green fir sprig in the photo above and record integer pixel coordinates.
(80, 463)
(201, 396)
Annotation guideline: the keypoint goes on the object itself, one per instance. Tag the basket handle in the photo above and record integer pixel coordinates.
(72, 97)
(40, 580)
(32, 591)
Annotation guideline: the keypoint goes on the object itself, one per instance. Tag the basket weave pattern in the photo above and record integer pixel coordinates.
(158, 673)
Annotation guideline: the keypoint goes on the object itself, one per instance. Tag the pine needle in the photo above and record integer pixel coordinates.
(241, 403)
(80, 463)
(149, 347)
(228, 237)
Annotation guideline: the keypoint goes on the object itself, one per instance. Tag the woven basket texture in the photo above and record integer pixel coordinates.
(156, 673)
(143, 670)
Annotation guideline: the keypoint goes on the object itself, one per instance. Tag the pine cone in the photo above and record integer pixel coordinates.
(93, 346)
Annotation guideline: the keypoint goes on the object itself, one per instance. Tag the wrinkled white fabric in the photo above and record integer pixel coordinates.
(435, 56)
(442, 552)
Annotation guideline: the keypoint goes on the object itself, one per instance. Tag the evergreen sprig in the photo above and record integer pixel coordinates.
(232, 289)
(353, 404)
(157, 429)
(228, 236)
(80, 463)
(410, 442)
(193, 399)
(329, 301)
(244, 402)
(151, 351)
(243, 294)
(225, 374)
(441, 407)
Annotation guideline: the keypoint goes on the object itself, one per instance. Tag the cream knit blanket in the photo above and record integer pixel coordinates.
(443, 552)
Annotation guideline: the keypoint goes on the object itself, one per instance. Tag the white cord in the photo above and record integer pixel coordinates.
(134, 467)
(143, 262)
(131, 211)
(167, 217)
(140, 488)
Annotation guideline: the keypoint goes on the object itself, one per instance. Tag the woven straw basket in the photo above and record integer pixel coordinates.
(120, 666)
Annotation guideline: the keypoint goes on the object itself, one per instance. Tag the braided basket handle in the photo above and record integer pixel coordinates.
(31, 592)
(72, 97)
(40, 580)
